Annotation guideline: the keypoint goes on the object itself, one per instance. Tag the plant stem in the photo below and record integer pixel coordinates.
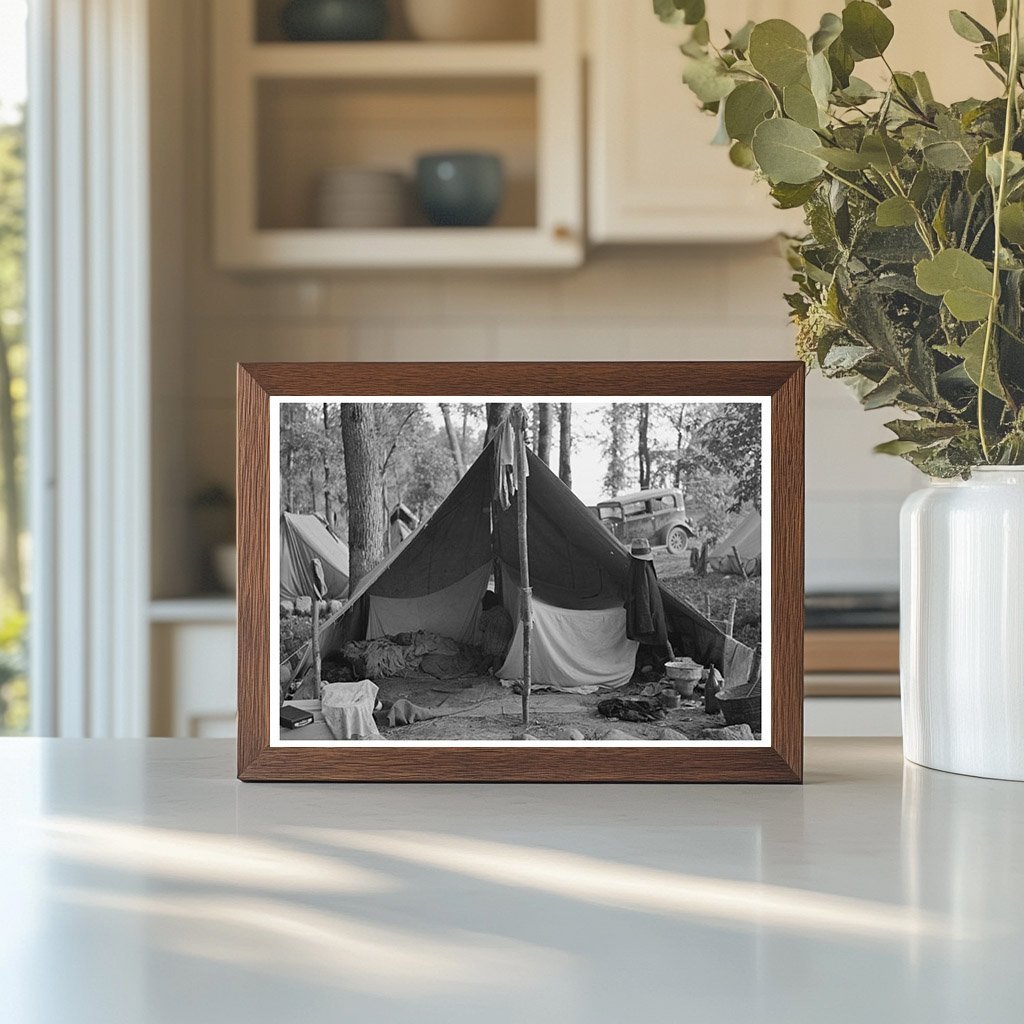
(993, 309)
(856, 188)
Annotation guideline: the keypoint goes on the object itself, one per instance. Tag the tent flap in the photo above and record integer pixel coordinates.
(572, 647)
(451, 612)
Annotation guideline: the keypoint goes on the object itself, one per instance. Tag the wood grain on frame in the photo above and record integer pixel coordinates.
(782, 762)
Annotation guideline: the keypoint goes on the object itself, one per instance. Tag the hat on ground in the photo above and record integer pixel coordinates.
(641, 549)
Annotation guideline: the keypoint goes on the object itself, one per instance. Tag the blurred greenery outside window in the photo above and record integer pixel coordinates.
(14, 694)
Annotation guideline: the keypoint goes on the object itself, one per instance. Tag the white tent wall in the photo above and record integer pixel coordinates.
(572, 647)
(452, 612)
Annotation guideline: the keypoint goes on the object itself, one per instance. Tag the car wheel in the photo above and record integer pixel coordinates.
(676, 540)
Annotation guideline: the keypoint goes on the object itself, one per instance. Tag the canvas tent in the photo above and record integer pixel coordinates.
(436, 580)
(745, 537)
(303, 538)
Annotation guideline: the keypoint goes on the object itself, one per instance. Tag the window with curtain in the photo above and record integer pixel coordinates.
(14, 548)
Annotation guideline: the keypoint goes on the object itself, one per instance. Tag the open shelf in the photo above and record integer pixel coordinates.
(287, 113)
(308, 127)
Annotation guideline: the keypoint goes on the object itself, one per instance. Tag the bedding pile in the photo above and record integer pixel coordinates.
(406, 654)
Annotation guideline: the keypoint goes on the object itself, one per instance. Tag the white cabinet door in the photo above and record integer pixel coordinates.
(653, 175)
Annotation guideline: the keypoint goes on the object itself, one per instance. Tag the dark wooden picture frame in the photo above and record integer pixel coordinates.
(781, 761)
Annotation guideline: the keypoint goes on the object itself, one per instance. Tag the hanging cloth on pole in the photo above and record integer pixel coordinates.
(507, 456)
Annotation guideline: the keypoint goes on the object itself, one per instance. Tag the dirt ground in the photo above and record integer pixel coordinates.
(485, 710)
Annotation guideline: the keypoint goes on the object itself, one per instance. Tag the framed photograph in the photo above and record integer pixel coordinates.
(546, 572)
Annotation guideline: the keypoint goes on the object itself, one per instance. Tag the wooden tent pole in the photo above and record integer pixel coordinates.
(526, 603)
(319, 592)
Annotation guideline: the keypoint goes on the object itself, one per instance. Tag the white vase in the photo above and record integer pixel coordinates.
(962, 624)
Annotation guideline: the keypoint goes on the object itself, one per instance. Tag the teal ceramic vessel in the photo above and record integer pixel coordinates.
(460, 189)
(334, 21)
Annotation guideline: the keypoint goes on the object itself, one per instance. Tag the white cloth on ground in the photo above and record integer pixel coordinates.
(348, 709)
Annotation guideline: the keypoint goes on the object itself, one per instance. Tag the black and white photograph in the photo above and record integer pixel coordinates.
(459, 572)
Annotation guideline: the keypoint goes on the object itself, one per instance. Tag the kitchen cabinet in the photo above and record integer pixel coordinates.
(653, 175)
(287, 113)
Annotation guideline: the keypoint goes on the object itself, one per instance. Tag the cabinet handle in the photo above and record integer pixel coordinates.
(563, 232)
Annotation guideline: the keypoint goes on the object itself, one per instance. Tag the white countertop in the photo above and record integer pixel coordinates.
(142, 884)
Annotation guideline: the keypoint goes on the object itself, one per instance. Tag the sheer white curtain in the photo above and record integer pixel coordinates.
(89, 343)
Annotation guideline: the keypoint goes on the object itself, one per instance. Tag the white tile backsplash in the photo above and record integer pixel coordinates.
(715, 303)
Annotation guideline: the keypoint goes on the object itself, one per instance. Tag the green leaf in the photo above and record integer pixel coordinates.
(858, 91)
(885, 394)
(841, 60)
(745, 108)
(829, 30)
(924, 87)
(800, 105)
(708, 80)
(785, 152)
(896, 212)
(866, 29)
(921, 185)
(820, 76)
(844, 159)
(676, 12)
(701, 33)
(971, 352)
(976, 173)
(778, 50)
(883, 153)
(741, 155)
(969, 28)
(999, 7)
(963, 281)
(994, 168)
(1012, 225)
(939, 220)
(789, 197)
(895, 447)
(739, 41)
(946, 155)
(923, 431)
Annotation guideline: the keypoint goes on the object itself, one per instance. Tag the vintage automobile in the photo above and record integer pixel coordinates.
(659, 516)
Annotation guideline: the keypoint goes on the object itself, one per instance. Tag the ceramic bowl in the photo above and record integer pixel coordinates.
(356, 197)
(460, 189)
(468, 20)
(334, 20)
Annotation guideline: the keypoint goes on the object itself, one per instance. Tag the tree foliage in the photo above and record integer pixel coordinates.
(910, 277)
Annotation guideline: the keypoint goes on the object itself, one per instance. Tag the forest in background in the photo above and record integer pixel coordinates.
(13, 415)
(353, 463)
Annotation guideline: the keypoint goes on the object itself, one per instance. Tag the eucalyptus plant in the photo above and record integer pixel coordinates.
(910, 278)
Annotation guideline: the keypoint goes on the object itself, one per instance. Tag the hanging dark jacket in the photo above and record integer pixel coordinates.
(645, 614)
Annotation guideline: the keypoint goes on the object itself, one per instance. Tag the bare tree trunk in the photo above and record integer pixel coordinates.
(545, 414)
(565, 444)
(312, 490)
(327, 467)
(11, 490)
(643, 451)
(362, 481)
(453, 441)
(496, 412)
